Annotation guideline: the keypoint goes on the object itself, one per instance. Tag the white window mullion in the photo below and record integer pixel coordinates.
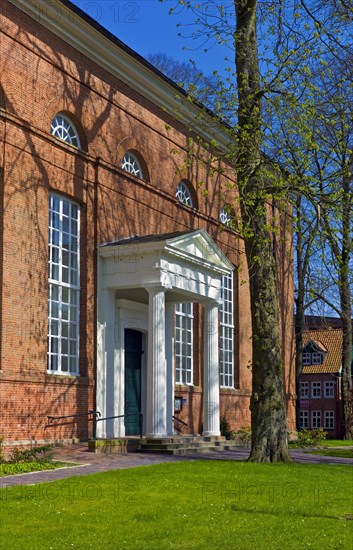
(226, 333)
(184, 343)
(66, 291)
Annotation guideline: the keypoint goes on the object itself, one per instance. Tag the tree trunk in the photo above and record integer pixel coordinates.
(346, 309)
(268, 410)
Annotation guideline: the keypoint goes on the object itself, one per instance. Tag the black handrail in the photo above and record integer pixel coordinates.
(178, 420)
(124, 416)
(52, 419)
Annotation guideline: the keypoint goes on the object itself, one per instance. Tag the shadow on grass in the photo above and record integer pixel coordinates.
(292, 513)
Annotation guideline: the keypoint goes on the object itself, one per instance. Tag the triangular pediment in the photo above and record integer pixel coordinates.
(314, 346)
(199, 245)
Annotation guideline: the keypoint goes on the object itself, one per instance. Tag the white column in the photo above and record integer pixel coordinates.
(211, 371)
(156, 413)
(169, 350)
(105, 362)
(119, 369)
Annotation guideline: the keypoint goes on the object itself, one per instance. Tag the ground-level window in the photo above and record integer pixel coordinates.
(329, 389)
(226, 333)
(184, 343)
(329, 420)
(304, 390)
(64, 286)
(304, 419)
(316, 390)
(316, 419)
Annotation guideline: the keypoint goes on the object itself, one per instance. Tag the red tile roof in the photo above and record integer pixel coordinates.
(331, 340)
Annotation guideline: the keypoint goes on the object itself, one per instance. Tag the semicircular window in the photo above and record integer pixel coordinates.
(183, 194)
(63, 128)
(131, 165)
(225, 216)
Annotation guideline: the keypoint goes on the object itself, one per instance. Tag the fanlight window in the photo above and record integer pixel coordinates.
(131, 165)
(183, 194)
(62, 128)
(224, 216)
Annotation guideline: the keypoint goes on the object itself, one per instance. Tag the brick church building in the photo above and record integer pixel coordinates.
(123, 285)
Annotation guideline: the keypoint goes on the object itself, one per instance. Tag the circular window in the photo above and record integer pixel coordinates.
(183, 194)
(62, 128)
(131, 165)
(225, 216)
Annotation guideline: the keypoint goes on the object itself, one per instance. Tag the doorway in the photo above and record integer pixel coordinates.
(133, 354)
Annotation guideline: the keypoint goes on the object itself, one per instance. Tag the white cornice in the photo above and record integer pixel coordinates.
(88, 40)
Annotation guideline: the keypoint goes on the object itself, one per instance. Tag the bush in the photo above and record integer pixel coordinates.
(225, 428)
(244, 435)
(31, 455)
(1, 449)
(310, 438)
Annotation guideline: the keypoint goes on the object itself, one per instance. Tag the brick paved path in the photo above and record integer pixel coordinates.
(90, 463)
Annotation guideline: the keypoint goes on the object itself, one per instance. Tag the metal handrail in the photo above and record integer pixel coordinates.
(52, 419)
(178, 420)
(124, 416)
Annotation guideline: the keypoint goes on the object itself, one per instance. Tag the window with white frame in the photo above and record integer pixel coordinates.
(225, 216)
(316, 419)
(226, 333)
(329, 420)
(306, 358)
(63, 128)
(183, 194)
(131, 164)
(304, 390)
(329, 389)
(64, 286)
(317, 358)
(184, 343)
(304, 420)
(316, 390)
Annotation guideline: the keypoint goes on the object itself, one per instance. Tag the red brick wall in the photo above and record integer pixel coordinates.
(324, 404)
(41, 75)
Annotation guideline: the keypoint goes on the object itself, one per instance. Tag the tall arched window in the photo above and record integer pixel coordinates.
(183, 194)
(63, 128)
(64, 285)
(131, 164)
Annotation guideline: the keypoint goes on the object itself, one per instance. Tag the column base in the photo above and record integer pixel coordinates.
(208, 434)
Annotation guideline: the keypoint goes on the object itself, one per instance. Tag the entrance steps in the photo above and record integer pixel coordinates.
(185, 444)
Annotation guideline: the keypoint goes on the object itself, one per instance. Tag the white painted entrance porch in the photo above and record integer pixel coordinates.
(139, 281)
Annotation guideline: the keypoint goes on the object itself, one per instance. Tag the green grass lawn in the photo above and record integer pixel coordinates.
(9, 469)
(337, 443)
(185, 505)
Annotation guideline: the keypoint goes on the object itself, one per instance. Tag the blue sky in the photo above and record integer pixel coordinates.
(146, 27)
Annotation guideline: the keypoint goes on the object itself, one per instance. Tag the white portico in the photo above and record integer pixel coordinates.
(139, 282)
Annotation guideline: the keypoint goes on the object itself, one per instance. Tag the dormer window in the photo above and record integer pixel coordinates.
(63, 128)
(313, 354)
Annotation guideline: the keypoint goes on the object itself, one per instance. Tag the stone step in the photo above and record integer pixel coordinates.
(184, 450)
(188, 444)
(185, 439)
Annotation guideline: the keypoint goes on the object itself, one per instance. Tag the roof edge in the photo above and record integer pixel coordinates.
(90, 38)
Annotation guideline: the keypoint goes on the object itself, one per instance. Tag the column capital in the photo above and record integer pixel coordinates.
(155, 289)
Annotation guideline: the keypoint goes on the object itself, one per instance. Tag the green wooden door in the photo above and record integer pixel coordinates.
(133, 352)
